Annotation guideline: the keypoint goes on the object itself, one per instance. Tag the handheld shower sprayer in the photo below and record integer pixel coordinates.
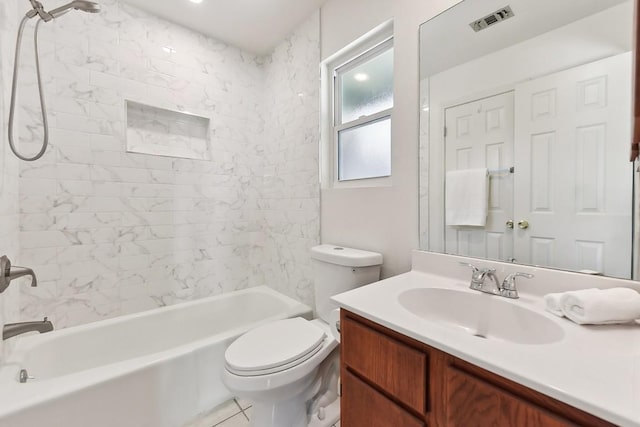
(82, 5)
(39, 11)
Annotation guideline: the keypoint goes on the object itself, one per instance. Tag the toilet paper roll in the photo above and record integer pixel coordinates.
(334, 323)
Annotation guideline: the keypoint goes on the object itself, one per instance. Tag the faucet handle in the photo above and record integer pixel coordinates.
(509, 284)
(9, 273)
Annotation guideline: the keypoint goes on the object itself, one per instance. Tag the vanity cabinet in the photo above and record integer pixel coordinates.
(391, 380)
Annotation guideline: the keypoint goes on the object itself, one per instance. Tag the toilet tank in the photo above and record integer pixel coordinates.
(337, 269)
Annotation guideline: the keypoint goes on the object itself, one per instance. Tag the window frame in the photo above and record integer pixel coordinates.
(365, 54)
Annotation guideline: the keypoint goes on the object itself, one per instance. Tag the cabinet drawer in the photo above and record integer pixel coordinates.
(362, 406)
(396, 368)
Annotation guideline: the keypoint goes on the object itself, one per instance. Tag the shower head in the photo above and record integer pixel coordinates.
(83, 5)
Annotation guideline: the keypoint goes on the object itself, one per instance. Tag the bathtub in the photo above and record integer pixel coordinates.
(156, 368)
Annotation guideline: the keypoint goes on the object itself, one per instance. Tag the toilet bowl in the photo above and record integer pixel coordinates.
(289, 368)
(279, 392)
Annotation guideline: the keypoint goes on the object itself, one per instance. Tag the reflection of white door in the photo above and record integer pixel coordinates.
(572, 182)
(479, 134)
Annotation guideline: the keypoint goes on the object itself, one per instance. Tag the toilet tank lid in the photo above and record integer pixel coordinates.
(347, 257)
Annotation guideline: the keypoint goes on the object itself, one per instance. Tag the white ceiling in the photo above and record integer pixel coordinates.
(253, 25)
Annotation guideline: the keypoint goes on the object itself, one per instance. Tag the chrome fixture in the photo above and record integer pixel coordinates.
(478, 277)
(509, 284)
(38, 10)
(9, 273)
(24, 376)
(82, 5)
(507, 289)
(10, 330)
(502, 171)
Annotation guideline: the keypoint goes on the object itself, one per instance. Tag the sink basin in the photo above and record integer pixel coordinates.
(481, 315)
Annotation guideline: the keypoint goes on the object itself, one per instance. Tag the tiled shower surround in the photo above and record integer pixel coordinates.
(9, 234)
(110, 232)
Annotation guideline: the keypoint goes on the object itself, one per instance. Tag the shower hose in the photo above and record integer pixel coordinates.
(16, 65)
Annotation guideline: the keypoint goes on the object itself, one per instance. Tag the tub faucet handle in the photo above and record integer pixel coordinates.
(9, 273)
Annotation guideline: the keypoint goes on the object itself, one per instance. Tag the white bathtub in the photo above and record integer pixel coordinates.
(156, 368)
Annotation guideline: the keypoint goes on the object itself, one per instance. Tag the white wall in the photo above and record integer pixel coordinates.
(382, 219)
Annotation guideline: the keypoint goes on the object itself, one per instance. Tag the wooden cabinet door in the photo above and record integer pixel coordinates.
(397, 369)
(362, 406)
(474, 402)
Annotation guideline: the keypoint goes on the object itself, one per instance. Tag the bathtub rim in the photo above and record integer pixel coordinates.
(18, 397)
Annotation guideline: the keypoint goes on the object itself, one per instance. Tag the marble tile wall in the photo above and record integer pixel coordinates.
(9, 238)
(152, 130)
(289, 197)
(111, 232)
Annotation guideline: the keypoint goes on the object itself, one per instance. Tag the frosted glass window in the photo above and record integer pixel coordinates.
(363, 104)
(365, 151)
(367, 88)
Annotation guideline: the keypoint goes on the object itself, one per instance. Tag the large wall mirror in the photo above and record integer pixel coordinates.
(526, 111)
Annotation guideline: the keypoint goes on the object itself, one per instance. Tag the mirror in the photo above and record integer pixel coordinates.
(525, 133)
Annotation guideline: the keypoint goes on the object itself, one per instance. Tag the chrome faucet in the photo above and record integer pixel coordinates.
(9, 273)
(507, 289)
(509, 284)
(10, 330)
(478, 277)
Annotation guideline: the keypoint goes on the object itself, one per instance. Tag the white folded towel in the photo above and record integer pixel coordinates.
(553, 303)
(601, 306)
(467, 197)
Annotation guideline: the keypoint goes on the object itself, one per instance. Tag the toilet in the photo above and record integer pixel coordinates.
(289, 368)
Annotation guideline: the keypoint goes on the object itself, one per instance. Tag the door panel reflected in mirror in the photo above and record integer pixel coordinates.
(525, 134)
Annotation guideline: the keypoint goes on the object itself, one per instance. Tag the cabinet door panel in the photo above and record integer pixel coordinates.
(394, 367)
(362, 406)
(473, 402)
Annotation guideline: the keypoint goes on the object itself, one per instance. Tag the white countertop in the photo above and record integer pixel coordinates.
(594, 368)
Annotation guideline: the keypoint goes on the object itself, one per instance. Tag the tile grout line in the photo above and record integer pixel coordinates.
(241, 410)
(229, 417)
(225, 420)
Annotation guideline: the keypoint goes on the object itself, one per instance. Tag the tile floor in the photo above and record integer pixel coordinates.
(234, 413)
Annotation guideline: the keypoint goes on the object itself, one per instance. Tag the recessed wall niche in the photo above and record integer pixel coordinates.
(162, 132)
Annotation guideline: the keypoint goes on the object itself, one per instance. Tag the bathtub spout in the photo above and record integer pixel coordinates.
(12, 329)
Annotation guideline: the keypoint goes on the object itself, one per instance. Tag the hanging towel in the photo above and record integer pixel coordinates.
(467, 197)
(601, 306)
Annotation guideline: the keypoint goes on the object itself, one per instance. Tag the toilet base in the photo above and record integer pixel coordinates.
(316, 394)
(327, 416)
(285, 413)
(292, 414)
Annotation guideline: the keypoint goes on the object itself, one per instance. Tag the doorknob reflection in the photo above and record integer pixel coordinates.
(523, 224)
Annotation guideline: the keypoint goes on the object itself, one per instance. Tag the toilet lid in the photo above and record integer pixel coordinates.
(274, 345)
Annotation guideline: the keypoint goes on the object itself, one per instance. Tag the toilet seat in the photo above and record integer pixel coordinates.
(274, 347)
